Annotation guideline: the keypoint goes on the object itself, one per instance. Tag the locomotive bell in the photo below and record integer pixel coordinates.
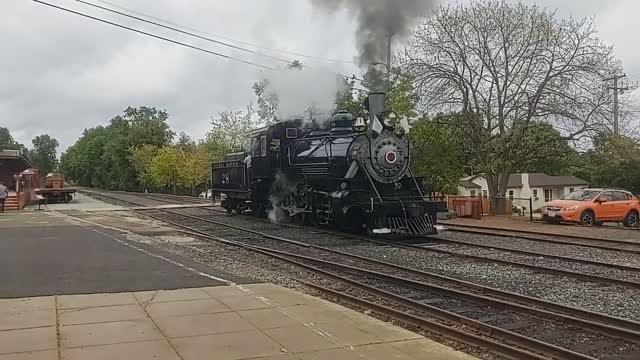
(360, 124)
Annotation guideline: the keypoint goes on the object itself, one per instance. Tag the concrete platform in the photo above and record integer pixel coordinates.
(223, 323)
(80, 202)
(42, 253)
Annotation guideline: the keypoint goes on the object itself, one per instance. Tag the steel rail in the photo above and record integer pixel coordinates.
(524, 342)
(579, 317)
(534, 253)
(570, 239)
(621, 326)
(538, 268)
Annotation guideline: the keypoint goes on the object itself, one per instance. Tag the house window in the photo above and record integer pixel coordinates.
(510, 194)
(535, 194)
(548, 195)
(571, 190)
(472, 193)
(485, 194)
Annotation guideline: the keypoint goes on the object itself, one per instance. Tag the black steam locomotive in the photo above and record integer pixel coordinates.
(344, 172)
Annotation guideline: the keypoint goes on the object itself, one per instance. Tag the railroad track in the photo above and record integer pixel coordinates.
(627, 276)
(525, 327)
(592, 242)
(596, 271)
(436, 303)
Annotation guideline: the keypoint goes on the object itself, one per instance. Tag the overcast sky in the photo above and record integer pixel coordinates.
(60, 73)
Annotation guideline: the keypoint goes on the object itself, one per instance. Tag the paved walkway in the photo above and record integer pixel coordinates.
(223, 323)
(47, 259)
(608, 231)
(45, 254)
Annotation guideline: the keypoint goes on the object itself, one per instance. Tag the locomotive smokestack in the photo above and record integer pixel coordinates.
(377, 105)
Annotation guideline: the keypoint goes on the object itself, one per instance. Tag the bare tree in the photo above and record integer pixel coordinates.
(507, 68)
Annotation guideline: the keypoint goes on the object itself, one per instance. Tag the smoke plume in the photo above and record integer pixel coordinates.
(377, 21)
(304, 89)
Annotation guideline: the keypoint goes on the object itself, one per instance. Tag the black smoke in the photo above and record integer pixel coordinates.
(378, 20)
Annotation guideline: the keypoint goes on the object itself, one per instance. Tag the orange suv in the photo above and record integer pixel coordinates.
(593, 207)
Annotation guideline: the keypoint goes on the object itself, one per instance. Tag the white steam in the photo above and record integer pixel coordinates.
(299, 91)
(280, 190)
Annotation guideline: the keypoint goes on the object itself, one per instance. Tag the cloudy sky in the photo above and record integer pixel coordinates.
(60, 73)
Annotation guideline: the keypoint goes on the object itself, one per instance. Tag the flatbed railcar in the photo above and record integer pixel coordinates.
(55, 189)
(345, 172)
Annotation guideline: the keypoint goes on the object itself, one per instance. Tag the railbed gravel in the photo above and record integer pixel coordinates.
(542, 261)
(609, 299)
(569, 250)
(613, 300)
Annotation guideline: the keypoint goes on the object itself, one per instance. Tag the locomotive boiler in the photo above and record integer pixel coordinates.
(345, 171)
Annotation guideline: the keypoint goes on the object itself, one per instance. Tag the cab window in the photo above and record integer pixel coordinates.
(263, 146)
(255, 147)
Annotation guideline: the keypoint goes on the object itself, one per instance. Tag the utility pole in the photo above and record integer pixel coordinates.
(389, 62)
(616, 90)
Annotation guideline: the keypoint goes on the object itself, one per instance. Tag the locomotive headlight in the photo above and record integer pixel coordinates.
(360, 125)
(390, 120)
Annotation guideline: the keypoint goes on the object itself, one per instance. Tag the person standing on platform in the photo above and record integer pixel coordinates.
(4, 194)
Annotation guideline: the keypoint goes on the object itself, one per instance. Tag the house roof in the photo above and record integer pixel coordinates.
(541, 179)
(535, 180)
(515, 181)
(468, 184)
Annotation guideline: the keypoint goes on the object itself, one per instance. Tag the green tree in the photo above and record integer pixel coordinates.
(438, 154)
(614, 161)
(141, 157)
(166, 168)
(9, 143)
(195, 168)
(44, 154)
(6, 139)
(402, 98)
(82, 161)
(185, 143)
(101, 157)
(148, 126)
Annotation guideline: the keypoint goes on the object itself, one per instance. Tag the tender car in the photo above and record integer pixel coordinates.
(590, 207)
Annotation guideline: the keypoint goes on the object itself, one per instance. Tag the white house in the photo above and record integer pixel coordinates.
(538, 186)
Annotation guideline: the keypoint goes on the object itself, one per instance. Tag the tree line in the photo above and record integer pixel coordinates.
(488, 86)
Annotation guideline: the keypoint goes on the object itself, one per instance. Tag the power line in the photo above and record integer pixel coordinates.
(317, 58)
(191, 33)
(153, 35)
(183, 32)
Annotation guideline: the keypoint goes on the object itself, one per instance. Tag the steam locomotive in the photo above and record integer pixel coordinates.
(345, 172)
